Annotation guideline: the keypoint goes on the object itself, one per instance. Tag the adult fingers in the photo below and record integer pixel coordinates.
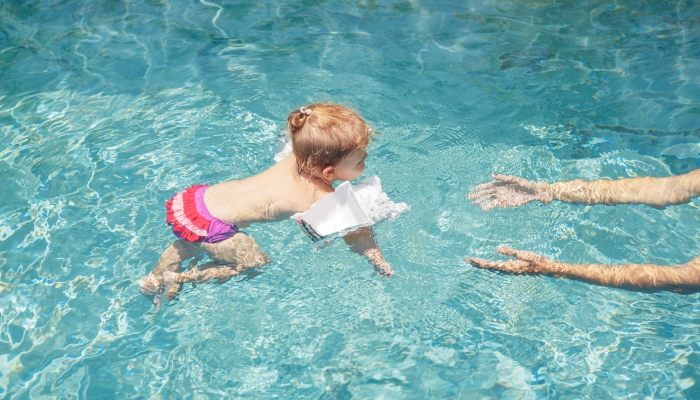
(521, 255)
(482, 187)
(484, 198)
(510, 179)
(487, 186)
(488, 203)
(481, 263)
(499, 202)
(488, 206)
(511, 266)
(481, 193)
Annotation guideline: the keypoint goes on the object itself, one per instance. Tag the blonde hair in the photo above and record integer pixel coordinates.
(325, 135)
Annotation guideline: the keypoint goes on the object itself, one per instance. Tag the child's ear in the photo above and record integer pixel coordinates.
(328, 173)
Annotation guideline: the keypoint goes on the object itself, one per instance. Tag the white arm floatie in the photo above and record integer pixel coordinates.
(347, 208)
(283, 149)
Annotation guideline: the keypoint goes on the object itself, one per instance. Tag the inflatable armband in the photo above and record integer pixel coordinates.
(348, 208)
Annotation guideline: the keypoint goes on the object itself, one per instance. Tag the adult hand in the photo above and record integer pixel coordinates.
(509, 191)
(525, 262)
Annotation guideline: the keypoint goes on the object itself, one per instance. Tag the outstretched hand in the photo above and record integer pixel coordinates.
(525, 262)
(509, 191)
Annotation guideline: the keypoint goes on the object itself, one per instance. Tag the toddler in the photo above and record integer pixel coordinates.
(329, 143)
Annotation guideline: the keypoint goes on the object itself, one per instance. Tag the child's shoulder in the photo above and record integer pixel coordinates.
(322, 192)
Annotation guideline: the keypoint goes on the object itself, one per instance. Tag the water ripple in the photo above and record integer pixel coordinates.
(108, 108)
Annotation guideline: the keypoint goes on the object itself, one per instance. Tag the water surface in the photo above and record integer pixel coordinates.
(109, 107)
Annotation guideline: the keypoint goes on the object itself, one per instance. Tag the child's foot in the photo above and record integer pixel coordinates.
(152, 288)
(171, 281)
(150, 285)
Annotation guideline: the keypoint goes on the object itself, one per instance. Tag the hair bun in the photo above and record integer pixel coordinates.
(297, 119)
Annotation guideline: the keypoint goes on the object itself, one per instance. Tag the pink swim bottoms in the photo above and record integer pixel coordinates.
(191, 221)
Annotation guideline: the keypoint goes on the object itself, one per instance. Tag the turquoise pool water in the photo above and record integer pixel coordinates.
(108, 107)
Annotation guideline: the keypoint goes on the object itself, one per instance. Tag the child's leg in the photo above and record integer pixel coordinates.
(240, 249)
(170, 260)
(204, 273)
(231, 256)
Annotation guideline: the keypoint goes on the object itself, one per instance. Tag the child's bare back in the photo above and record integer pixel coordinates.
(273, 195)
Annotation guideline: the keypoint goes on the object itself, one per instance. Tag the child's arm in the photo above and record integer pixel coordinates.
(512, 191)
(361, 241)
(636, 276)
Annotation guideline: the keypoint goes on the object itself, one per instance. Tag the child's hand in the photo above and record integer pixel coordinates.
(384, 269)
(361, 241)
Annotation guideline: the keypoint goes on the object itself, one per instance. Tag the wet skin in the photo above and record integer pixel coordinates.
(273, 195)
(684, 278)
(511, 191)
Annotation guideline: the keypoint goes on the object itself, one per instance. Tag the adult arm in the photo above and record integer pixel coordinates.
(630, 276)
(361, 241)
(510, 191)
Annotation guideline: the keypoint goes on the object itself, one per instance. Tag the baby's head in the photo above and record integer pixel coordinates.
(330, 140)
